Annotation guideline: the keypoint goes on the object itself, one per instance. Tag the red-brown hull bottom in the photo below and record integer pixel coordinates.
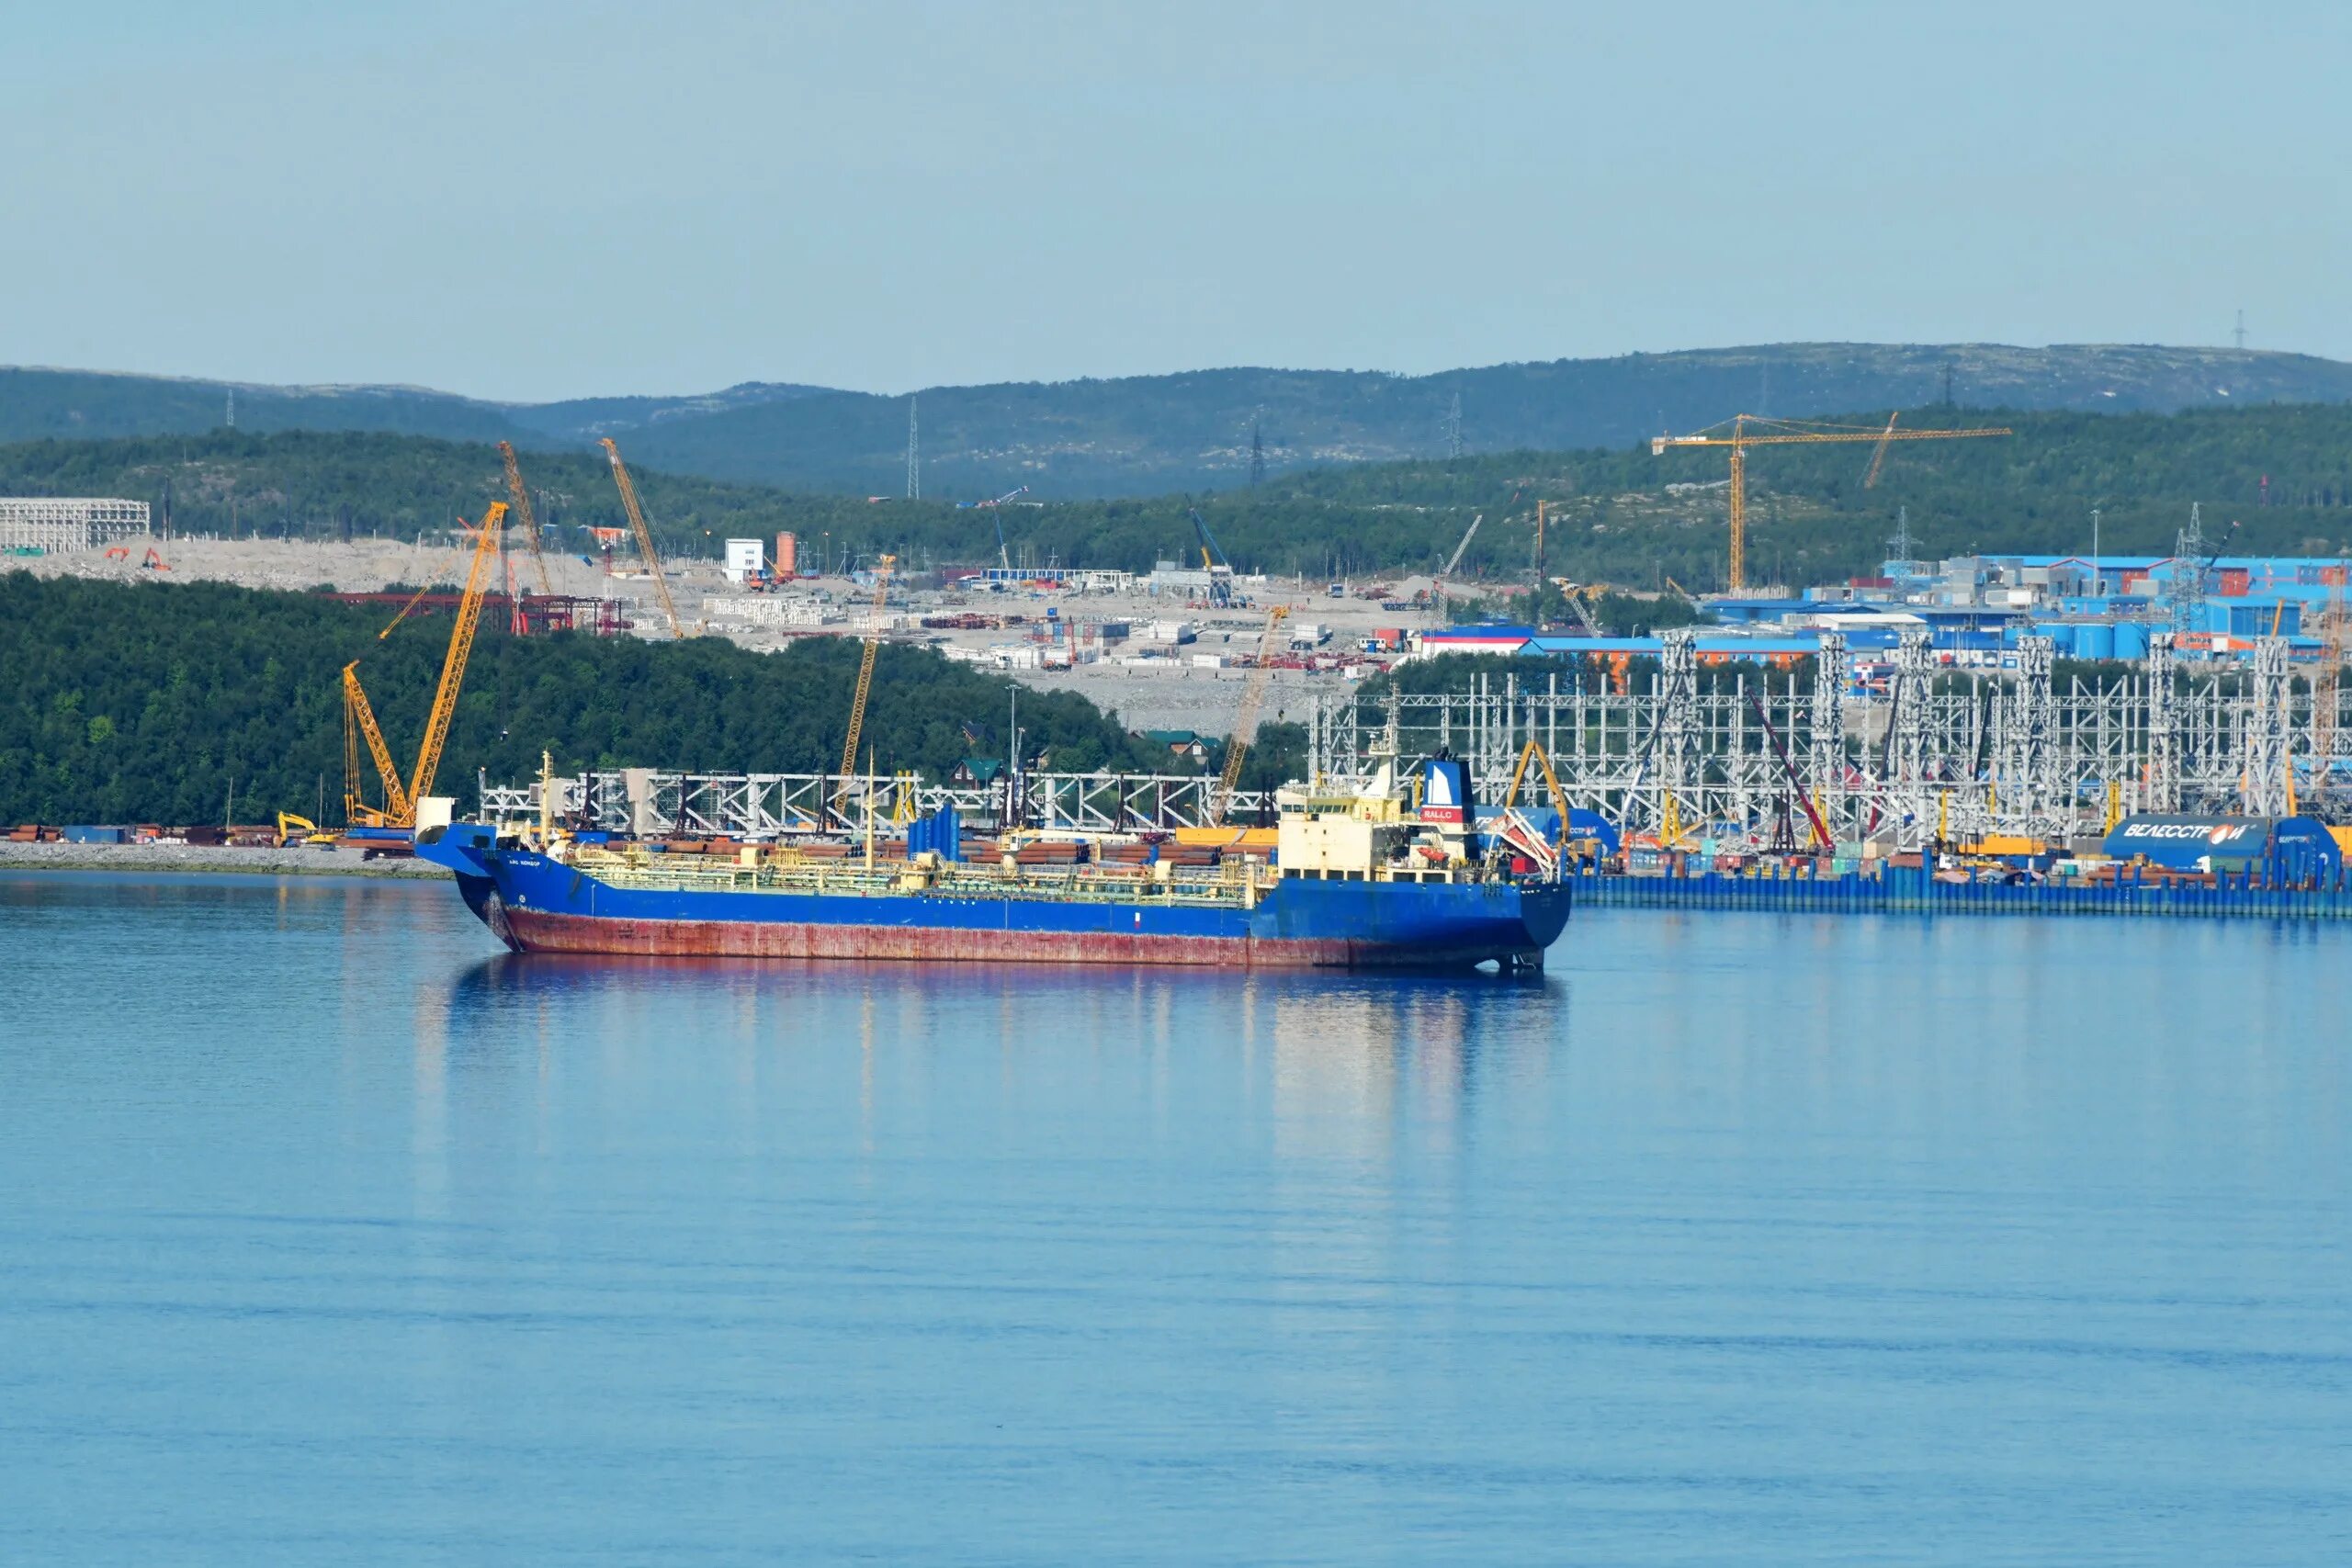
(531, 930)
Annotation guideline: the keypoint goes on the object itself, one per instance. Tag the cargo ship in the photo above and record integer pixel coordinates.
(1364, 880)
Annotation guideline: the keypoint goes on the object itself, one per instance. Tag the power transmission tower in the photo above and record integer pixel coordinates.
(232, 408)
(2162, 722)
(1453, 427)
(2240, 333)
(914, 453)
(2188, 574)
(1257, 454)
(1948, 369)
(1901, 543)
(1825, 724)
(2266, 789)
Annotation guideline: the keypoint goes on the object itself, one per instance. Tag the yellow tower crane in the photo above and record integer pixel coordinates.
(401, 800)
(1785, 432)
(874, 627)
(522, 498)
(1244, 721)
(644, 534)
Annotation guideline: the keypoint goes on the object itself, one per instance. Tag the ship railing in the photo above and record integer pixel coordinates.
(785, 871)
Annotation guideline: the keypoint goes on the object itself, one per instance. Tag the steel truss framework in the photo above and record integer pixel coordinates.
(1938, 752)
(1947, 753)
(769, 805)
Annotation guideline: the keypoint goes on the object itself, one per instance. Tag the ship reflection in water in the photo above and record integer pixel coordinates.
(1330, 1050)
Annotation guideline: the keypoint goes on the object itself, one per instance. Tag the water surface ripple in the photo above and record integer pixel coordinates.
(327, 1235)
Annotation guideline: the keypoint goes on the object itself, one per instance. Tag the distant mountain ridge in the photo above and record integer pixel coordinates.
(1196, 430)
(37, 402)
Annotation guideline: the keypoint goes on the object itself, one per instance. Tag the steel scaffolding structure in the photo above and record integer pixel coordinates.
(651, 802)
(1937, 753)
(1938, 750)
(52, 523)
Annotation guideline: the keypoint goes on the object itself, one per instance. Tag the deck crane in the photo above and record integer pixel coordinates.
(1244, 721)
(522, 497)
(644, 534)
(1785, 432)
(1212, 561)
(865, 677)
(400, 801)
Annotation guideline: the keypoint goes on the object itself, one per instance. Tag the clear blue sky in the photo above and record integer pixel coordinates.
(539, 200)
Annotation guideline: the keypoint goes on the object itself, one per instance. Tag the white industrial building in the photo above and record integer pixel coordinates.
(52, 524)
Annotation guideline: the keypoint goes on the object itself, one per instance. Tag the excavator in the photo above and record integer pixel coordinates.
(298, 831)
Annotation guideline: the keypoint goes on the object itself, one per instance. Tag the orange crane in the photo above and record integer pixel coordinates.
(1245, 722)
(401, 800)
(864, 675)
(523, 511)
(1785, 433)
(644, 534)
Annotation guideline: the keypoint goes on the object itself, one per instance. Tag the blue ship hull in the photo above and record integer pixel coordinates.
(537, 904)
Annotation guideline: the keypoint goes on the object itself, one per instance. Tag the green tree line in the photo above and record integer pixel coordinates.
(151, 702)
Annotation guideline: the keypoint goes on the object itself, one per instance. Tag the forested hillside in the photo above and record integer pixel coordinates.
(1617, 515)
(1142, 436)
(149, 702)
(1198, 430)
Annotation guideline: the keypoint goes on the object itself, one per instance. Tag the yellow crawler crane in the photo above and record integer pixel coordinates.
(359, 720)
(400, 801)
(644, 534)
(1786, 432)
(873, 626)
(1245, 722)
(522, 500)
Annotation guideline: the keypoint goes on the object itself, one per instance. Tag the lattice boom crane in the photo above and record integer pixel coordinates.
(864, 674)
(644, 534)
(522, 498)
(1245, 722)
(1786, 432)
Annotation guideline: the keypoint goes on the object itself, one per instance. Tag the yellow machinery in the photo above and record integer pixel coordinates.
(294, 830)
(399, 809)
(522, 500)
(864, 676)
(1785, 433)
(644, 534)
(1245, 722)
(1534, 752)
(358, 721)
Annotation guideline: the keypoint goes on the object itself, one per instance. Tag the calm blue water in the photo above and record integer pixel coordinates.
(327, 1237)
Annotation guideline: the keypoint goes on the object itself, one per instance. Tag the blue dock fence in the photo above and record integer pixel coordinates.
(1910, 890)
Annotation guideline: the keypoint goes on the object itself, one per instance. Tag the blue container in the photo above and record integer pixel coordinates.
(94, 835)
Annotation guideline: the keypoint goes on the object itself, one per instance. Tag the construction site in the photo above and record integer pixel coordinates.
(1895, 723)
